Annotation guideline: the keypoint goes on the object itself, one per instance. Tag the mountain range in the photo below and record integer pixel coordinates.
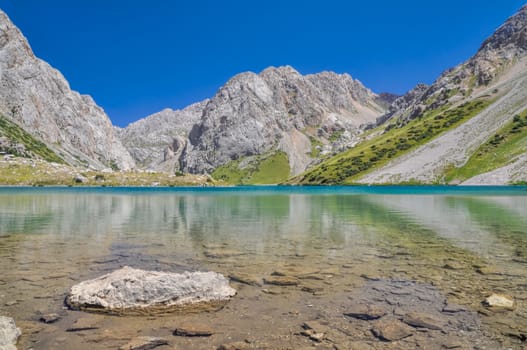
(276, 126)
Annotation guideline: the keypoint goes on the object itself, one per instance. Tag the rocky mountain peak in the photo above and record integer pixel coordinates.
(512, 35)
(283, 71)
(277, 109)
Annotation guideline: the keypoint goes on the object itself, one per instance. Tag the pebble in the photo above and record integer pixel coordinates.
(49, 318)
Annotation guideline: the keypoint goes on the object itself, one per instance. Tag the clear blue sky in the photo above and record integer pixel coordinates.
(138, 57)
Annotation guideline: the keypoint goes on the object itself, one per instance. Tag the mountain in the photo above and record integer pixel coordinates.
(41, 116)
(156, 142)
(278, 115)
(469, 126)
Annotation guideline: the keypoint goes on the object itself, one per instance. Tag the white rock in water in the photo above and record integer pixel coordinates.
(498, 300)
(133, 291)
(8, 333)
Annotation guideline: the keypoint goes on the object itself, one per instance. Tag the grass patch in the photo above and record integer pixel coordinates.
(35, 172)
(394, 142)
(335, 135)
(271, 168)
(508, 143)
(315, 147)
(33, 147)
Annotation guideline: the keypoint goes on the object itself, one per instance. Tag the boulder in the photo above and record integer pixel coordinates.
(9, 333)
(134, 291)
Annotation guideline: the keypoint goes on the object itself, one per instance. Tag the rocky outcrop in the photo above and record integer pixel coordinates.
(278, 109)
(495, 57)
(156, 142)
(402, 103)
(36, 96)
(9, 333)
(134, 291)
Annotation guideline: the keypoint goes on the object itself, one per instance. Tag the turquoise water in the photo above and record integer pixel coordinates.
(411, 232)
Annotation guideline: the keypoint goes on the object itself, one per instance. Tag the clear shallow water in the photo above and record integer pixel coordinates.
(451, 237)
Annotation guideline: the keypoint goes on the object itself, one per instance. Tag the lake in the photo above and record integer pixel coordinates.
(427, 253)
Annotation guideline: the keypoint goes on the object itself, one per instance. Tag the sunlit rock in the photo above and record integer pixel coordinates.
(133, 291)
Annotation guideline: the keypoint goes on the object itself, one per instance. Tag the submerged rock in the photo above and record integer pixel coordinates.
(391, 330)
(499, 300)
(9, 333)
(193, 330)
(144, 343)
(366, 312)
(134, 291)
(421, 320)
(49, 318)
(281, 280)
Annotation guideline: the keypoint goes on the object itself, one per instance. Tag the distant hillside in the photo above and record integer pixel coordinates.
(468, 127)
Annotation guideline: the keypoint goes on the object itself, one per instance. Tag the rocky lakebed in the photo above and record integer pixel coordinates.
(216, 269)
(376, 301)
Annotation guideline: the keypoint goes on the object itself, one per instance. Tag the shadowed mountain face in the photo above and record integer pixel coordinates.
(36, 96)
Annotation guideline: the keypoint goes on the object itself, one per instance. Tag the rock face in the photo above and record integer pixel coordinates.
(253, 114)
(8, 333)
(156, 142)
(36, 96)
(133, 291)
(278, 109)
(497, 54)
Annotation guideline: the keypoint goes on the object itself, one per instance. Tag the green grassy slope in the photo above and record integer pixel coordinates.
(498, 151)
(33, 146)
(393, 142)
(271, 168)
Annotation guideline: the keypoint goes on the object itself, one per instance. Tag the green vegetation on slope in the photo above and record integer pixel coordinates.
(315, 147)
(271, 168)
(508, 143)
(395, 141)
(32, 146)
